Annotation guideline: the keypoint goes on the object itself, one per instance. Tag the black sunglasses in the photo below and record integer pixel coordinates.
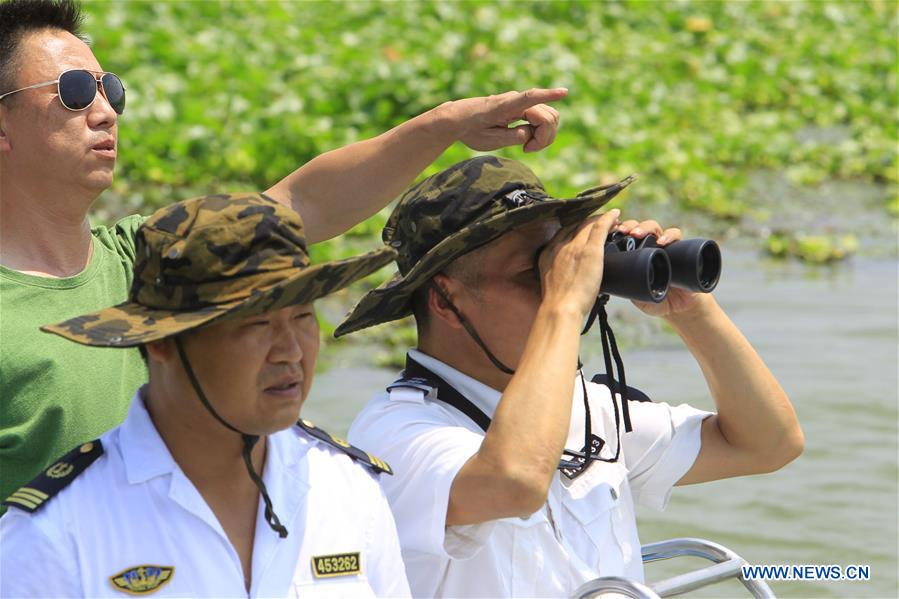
(77, 89)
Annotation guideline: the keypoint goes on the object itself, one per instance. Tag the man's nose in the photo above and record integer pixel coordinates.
(101, 114)
(287, 346)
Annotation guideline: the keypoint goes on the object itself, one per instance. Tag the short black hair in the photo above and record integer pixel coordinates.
(21, 17)
(144, 354)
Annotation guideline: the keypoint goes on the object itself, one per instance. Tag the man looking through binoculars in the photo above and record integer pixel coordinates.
(508, 482)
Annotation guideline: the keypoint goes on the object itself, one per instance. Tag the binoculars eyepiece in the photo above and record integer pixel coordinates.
(639, 269)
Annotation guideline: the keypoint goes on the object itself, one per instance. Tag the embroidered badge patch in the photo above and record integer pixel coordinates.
(59, 470)
(339, 564)
(518, 198)
(142, 580)
(579, 465)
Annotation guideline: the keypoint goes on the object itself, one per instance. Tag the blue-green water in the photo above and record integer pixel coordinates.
(830, 336)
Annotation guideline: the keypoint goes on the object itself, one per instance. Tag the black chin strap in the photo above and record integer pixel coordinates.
(248, 442)
(471, 332)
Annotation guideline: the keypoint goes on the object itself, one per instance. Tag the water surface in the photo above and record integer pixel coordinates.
(830, 336)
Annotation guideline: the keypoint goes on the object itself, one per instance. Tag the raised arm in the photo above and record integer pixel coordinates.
(345, 186)
(755, 429)
(511, 473)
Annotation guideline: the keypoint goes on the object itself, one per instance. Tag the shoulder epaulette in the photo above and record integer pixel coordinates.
(633, 394)
(414, 382)
(363, 457)
(55, 478)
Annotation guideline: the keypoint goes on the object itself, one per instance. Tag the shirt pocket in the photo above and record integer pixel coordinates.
(531, 551)
(590, 504)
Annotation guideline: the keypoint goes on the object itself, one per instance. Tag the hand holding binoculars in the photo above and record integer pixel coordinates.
(640, 269)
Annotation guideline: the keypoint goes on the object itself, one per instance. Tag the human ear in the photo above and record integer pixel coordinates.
(5, 144)
(161, 351)
(440, 302)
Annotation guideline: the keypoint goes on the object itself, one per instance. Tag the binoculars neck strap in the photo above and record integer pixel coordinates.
(610, 351)
(618, 388)
(446, 393)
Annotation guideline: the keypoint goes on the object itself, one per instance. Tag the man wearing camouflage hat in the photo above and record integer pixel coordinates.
(60, 115)
(222, 305)
(514, 478)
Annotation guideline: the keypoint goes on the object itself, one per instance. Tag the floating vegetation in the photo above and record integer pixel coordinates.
(818, 249)
(693, 96)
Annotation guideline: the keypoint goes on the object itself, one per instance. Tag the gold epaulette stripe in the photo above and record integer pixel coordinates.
(29, 503)
(354, 452)
(43, 487)
(379, 463)
(34, 493)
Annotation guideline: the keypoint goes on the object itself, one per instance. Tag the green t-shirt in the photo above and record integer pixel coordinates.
(55, 394)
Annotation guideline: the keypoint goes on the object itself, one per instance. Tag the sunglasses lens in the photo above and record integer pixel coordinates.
(77, 89)
(115, 92)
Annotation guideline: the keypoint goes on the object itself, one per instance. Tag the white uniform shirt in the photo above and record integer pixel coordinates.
(587, 527)
(135, 507)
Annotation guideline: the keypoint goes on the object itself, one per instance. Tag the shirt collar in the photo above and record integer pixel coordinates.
(286, 481)
(146, 455)
(143, 451)
(484, 397)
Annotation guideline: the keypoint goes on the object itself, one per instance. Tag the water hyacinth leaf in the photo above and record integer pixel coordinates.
(235, 95)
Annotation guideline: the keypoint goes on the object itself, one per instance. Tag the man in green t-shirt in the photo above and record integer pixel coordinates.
(58, 144)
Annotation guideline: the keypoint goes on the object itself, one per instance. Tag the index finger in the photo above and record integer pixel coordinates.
(564, 235)
(524, 100)
(597, 225)
(604, 225)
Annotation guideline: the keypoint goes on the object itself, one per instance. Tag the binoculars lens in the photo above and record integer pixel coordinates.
(709, 266)
(642, 274)
(659, 275)
(642, 271)
(695, 264)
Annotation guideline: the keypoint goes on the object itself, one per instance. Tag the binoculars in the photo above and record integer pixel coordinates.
(638, 269)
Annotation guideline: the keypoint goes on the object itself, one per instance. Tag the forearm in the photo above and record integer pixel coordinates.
(530, 425)
(343, 187)
(754, 413)
(511, 472)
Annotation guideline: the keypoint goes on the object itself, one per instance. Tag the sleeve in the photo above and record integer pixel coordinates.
(35, 562)
(426, 452)
(387, 574)
(124, 234)
(661, 449)
(121, 238)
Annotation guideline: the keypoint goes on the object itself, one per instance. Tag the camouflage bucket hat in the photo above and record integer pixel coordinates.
(213, 258)
(452, 213)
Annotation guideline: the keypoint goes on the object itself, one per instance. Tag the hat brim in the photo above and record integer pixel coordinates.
(392, 300)
(129, 324)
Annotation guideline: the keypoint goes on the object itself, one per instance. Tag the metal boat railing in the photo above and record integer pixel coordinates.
(727, 565)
